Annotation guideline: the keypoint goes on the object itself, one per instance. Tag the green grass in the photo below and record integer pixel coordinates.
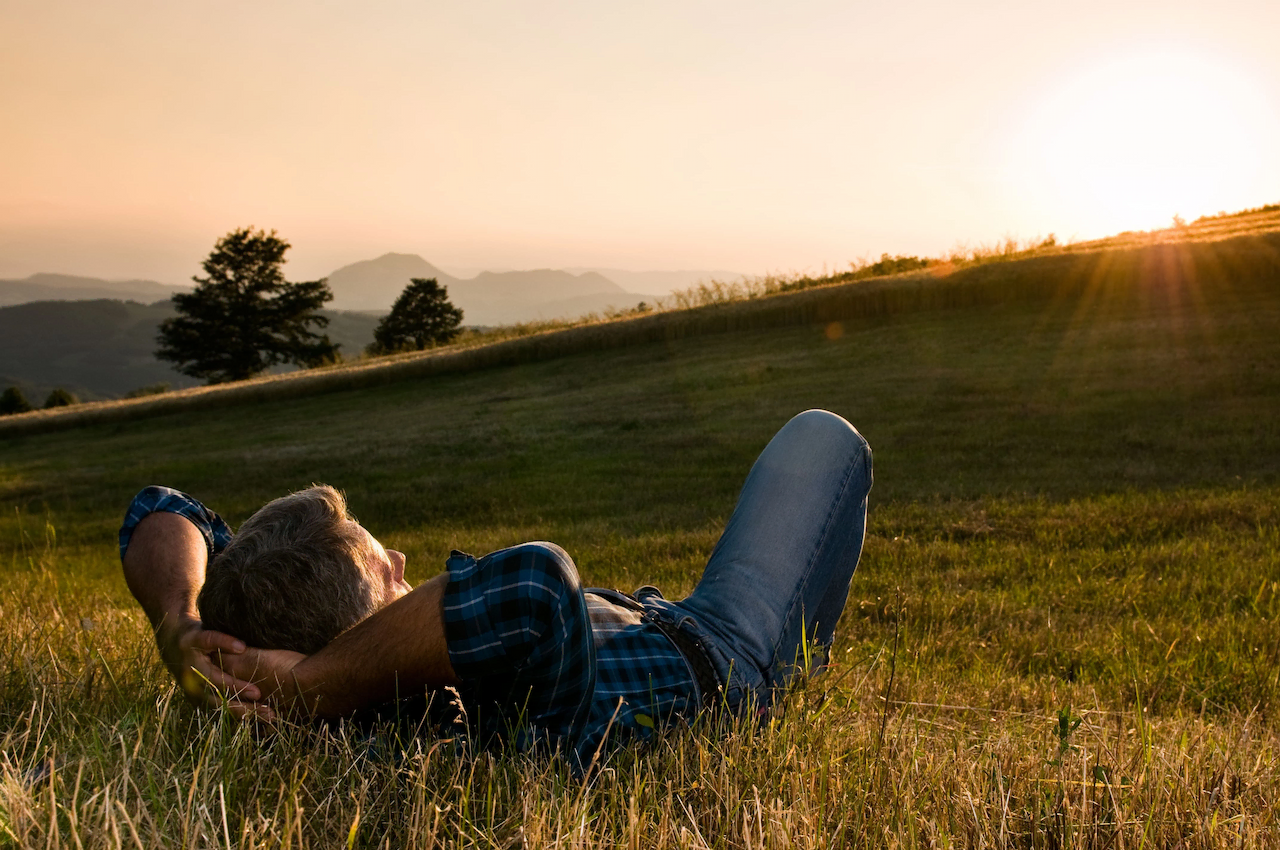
(1075, 512)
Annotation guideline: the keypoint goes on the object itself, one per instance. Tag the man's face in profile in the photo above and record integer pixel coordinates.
(385, 568)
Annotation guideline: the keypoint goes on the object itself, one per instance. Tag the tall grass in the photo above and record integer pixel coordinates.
(844, 770)
(913, 738)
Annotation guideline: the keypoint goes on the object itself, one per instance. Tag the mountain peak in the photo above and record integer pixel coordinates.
(375, 284)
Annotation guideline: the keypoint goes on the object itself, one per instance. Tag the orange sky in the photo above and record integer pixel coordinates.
(745, 136)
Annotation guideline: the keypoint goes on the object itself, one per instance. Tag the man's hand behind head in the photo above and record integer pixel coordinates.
(270, 673)
(192, 653)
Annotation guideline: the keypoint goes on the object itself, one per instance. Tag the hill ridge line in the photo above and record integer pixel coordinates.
(1067, 274)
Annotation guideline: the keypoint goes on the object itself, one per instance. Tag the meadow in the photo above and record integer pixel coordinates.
(1062, 632)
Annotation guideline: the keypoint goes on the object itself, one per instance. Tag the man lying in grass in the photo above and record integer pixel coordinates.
(335, 628)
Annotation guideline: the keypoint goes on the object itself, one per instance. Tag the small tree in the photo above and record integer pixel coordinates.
(60, 398)
(244, 317)
(13, 401)
(422, 317)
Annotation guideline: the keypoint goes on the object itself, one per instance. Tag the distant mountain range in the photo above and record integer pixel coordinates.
(65, 287)
(96, 337)
(489, 298)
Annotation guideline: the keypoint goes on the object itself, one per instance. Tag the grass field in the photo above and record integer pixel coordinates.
(1062, 633)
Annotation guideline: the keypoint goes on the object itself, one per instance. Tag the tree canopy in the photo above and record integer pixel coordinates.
(13, 401)
(422, 317)
(60, 398)
(243, 317)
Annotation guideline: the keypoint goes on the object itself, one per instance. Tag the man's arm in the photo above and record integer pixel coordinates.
(164, 566)
(398, 651)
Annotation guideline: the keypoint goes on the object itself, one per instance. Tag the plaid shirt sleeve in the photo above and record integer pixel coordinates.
(523, 639)
(519, 638)
(216, 533)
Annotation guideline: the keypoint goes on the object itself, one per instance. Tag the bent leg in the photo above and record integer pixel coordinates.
(519, 637)
(781, 570)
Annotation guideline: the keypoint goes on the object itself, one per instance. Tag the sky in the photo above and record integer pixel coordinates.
(755, 137)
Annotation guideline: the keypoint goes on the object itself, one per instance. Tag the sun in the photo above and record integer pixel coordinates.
(1132, 140)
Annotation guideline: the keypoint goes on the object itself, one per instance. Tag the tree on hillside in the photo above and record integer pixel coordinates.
(422, 317)
(244, 317)
(13, 401)
(60, 398)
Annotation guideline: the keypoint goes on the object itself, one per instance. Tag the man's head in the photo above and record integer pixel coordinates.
(298, 573)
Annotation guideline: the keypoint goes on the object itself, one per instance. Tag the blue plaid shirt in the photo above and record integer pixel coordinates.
(546, 661)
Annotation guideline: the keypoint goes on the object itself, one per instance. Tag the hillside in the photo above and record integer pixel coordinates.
(103, 348)
(1264, 219)
(1144, 369)
(95, 349)
(1249, 263)
(1192, 334)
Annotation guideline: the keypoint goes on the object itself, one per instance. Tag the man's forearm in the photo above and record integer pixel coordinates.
(398, 651)
(164, 567)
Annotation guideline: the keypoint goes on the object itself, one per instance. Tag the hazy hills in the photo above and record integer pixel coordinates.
(93, 348)
(65, 287)
(489, 298)
(103, 348)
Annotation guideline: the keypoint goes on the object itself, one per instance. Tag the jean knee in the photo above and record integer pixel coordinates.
(837, 437)
(823, 424)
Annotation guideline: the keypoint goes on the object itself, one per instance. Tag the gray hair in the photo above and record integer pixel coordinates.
(293, 577)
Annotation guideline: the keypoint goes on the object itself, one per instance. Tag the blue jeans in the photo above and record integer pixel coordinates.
(779, 576)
